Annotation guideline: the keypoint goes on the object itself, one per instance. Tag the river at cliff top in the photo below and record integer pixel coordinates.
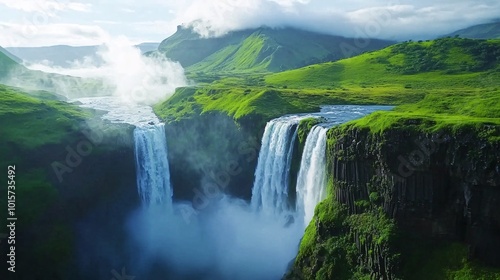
(338, 114)
(223, 237)
(119, 111)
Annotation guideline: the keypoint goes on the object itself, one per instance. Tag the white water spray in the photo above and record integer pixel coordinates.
(311, 182)
(153, 175)
(270, 190)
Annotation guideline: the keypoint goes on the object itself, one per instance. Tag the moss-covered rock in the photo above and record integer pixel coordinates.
(66, 170)
(438, 186)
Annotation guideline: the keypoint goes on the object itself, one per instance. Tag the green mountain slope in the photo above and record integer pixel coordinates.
(261, 50)
(10, 55)
(481, 31)
(37, 83)
(436, 79)
(7, 62)
(440, 64)
(458, 78)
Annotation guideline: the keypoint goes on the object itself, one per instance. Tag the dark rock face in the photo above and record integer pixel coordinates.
(212, 151)
(442, 185)
(87, 203)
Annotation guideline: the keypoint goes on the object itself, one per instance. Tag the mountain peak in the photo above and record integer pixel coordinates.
(481, 31)
(262, 49)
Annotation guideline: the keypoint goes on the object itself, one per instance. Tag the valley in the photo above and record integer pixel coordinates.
(280, 154)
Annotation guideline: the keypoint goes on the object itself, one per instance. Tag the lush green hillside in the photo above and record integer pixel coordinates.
(440, 64)
(16, 75)
(454, 72)
(259, 50)
(37, 133)
(481, 31)
(460, 79)
(7, 62)
(60, 55)
(29, 125)
(21, 112)
(10, 55)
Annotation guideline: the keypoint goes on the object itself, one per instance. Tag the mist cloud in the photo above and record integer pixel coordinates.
(227, 240)
(399, 20)
(126, 73)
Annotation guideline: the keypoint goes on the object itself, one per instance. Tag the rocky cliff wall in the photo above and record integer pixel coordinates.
(442, 186)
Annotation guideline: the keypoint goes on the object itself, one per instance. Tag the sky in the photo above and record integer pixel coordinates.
(78, 23)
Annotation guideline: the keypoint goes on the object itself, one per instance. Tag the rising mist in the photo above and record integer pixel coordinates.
(118, 69)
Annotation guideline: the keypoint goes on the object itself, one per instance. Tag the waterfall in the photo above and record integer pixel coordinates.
(311, 181)
(153, 175)
(270, 190)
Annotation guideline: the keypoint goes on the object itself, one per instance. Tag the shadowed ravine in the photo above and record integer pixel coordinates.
(227, 238)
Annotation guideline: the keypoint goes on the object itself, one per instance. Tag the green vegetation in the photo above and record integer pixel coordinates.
(463, 92)
(381, 71)
(258, 50)
(337, 245)
(480, 31)
(305, 127)
(449, 55)
(236, 102)
(459, 78)
(440, 260)
(23, 116)
(477, 112)
(35, 129)
(7, 63)
(25, 129)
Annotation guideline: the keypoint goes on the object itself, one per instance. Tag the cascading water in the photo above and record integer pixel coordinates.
(228, 239)
(270, 190)
(311, 181)
(153, 175)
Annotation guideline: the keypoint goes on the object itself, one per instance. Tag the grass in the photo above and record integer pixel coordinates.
(28, 124)
(437, 261)
(329, 249)
(449, 84)
(375, 71)
(462, 92)
(6, 63)
(258, 50)
(481, 31)
(245, 57)
(479, 112)
(22, 117)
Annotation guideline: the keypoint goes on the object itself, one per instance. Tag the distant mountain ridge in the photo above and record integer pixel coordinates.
(62, 55)
(8, 62)
(427, 64)
(9, 55)
(261, 50)
(480, 31)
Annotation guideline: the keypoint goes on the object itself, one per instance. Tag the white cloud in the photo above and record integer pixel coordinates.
(131, 76)
(46, 6)
(154, 20)
(127, 10)
(14, 34)
(402, 20)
